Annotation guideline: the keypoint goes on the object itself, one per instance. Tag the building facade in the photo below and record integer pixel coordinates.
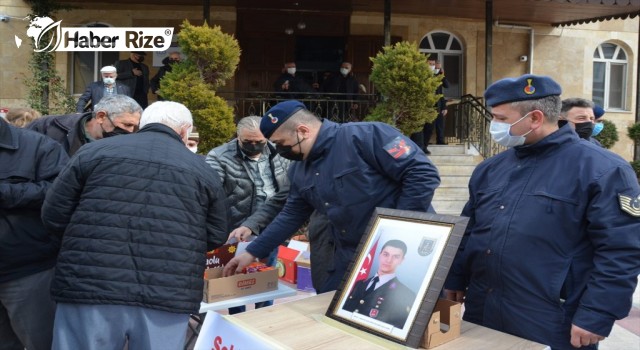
(595, 60)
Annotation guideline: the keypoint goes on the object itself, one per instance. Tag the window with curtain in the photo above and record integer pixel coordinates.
(609, 87)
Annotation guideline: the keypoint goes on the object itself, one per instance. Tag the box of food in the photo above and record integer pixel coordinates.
(218, 288)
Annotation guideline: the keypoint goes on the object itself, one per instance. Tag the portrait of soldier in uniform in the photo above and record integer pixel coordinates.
(383, 297)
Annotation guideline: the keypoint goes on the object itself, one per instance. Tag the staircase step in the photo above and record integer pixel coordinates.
(449, 207)
(452, 192)
(454, 159)
(458, 170)
(454, 181)
(438, 150)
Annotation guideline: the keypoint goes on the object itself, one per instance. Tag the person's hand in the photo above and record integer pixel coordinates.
(137, 72)
(582, 337)
(237, 264)
(454, 295)
(444, 112)
(241, 234)
(285, 86)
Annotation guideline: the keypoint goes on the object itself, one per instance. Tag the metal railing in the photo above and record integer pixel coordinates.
(468, 120)
(336, 107)
(471, 121)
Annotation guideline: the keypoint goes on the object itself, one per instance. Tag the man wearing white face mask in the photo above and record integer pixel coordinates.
(551, 252)
(345, 84)
(289, 85)
(98, 89)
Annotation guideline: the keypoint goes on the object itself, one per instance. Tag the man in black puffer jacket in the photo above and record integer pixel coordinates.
(136, 214)
(30, 162)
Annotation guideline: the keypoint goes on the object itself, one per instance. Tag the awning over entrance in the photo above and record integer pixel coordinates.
(552, 12)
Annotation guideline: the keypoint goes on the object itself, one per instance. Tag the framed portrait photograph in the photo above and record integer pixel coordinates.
(395, 279)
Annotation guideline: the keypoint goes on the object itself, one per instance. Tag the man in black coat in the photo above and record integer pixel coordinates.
(168, 62)
(345, 84)
(290, 85)
(135, 74)
(383, 297)
(96, 90)
(136, 215)
(113, 115)
(441, 106)
(30, 163)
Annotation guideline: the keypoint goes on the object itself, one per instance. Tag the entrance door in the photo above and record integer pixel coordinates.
(446, 48)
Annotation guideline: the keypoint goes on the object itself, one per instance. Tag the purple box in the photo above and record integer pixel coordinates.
(304, 279)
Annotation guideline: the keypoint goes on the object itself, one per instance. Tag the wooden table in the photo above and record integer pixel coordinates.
(301, 324)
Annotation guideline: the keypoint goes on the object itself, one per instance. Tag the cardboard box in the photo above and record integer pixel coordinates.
(444, 325)
(218, 288)
(305, 283)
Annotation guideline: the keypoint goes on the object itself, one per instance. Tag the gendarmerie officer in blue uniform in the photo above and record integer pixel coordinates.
(344, 171)
(552, 249)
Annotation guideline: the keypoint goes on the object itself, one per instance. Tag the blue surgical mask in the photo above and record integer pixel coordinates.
(501, 133)
(597, 129)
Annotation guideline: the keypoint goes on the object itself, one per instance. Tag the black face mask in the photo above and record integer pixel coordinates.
(115, 132)
(140, 59)
(252, 149)
(584, 130)
(287, 151)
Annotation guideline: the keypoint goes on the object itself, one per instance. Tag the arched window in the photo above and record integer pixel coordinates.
(85, 65)
(610, 76)
(446, 48)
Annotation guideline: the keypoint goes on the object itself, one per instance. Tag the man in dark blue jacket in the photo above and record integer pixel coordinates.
(98, 89)
(136, 214)
(30, 162)
(552, 249)
(344, 171)
(113, 115)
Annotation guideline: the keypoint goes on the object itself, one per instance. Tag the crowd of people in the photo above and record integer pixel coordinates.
(106, 214)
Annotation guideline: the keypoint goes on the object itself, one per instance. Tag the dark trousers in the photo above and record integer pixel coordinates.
(437, 124)
(27, 312)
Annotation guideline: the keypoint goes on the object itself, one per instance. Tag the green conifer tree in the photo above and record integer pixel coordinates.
(211, 59)
(401, 74)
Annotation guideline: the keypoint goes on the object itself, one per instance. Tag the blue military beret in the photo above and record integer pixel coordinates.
(526, 87)
(598, 111)
(277, 115)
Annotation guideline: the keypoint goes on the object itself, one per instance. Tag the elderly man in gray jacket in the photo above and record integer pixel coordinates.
(255, 181)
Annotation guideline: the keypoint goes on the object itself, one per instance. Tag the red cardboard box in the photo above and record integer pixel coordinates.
(286, 265)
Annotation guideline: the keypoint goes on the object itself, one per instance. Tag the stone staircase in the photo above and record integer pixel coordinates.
(455, 168)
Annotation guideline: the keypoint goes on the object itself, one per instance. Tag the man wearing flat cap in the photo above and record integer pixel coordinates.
(135, 75)
(552, 251)
(96, 90)
(343, 171)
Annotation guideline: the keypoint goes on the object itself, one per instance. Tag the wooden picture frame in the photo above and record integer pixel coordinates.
(399, 305)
